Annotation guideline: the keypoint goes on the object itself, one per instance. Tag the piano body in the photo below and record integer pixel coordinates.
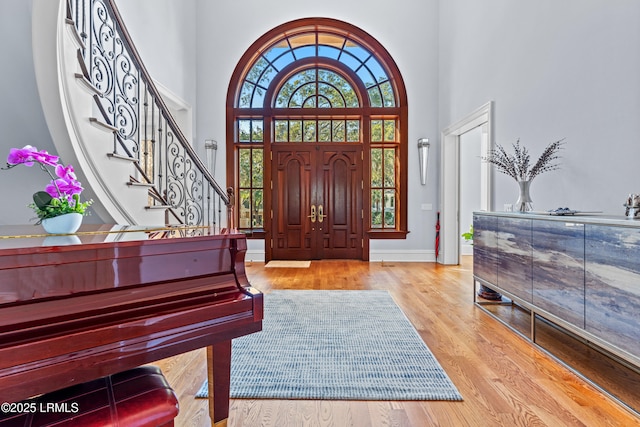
(109, 298)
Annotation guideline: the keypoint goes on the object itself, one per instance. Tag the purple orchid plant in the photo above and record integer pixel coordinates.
(62, 194)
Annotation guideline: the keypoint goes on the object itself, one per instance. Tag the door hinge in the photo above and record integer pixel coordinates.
(271, 213)
(271, 183)
(270, 155)
(362, 243)
(271, 243)
(362, 214)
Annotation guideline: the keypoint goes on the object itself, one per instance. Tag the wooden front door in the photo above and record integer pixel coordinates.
(317, 201)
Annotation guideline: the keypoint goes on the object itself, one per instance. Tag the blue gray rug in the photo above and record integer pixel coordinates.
(330, 345)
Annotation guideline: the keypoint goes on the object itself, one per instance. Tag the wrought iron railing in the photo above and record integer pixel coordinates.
(146, 132)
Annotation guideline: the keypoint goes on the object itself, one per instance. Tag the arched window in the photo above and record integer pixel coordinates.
(323, 83)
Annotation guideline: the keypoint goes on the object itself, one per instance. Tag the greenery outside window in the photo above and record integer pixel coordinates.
(250, 188)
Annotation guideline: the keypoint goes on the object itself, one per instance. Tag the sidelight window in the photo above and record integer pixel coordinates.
(384, 191)
(250, 188)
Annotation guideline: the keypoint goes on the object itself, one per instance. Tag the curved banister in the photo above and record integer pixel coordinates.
(109, 40)
(158, 99)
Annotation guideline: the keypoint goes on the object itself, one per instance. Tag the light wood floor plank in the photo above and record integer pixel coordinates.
(504, 380)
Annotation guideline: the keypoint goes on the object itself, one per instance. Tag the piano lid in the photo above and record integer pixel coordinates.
(103, 258)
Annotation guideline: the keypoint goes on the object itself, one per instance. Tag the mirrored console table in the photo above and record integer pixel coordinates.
(569, 284)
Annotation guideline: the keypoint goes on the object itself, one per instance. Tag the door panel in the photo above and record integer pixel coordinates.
(325, 178)
(341, 190)
(294, 193)
(291, 228)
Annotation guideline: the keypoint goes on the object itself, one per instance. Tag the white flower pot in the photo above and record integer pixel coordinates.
(63, 224)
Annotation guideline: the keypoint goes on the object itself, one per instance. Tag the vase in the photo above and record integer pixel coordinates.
(63, 224)
(524, 202)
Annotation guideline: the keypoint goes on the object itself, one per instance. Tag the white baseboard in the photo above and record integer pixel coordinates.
(254, 255)
(257, 255)
(377, 255)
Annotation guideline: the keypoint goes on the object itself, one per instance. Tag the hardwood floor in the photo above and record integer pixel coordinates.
(505, 381)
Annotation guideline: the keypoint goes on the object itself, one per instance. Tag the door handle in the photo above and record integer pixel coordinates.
(313, 214)
(321, 215)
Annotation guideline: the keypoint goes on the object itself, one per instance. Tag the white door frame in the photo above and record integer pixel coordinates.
(450, 179)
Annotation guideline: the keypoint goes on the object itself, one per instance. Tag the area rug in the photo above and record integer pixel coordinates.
(288, 264)
(332, 345)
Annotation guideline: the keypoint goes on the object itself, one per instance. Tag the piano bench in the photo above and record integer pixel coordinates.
(138, 397)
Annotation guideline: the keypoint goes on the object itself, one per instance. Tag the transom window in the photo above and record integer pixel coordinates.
(316, 130)
(317, 81)
(344, 50)
(316, 88)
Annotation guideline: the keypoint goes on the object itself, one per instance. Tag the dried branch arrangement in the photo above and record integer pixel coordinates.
(517, 165)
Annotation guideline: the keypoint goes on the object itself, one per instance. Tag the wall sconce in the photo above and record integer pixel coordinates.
(423, 156)
(211, 146)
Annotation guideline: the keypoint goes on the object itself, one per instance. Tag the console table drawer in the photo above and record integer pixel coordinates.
(558, 269)
(612, 285)
(514, 257)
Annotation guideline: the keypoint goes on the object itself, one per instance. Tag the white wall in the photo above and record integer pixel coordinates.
(555, 69)
(409, 31)
(22, 121)
(164, 32)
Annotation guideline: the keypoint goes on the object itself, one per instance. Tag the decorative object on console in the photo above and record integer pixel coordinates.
(60, 198)
(562, 212)
(567, 211)
(524, 202)
(517, 166)
(632, 206)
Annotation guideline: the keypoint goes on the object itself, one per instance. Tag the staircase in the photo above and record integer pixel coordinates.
(108, 119)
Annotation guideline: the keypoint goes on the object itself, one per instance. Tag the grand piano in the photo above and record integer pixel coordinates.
(109, 298)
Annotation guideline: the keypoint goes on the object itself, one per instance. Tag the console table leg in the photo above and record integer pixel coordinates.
(219, 376)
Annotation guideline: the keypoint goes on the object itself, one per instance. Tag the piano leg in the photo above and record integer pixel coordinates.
(219, 375)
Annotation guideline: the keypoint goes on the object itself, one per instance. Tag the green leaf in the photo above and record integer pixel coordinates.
(469, 234)
(42, 199)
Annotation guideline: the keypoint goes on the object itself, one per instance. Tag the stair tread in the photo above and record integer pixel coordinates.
(102, 124)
